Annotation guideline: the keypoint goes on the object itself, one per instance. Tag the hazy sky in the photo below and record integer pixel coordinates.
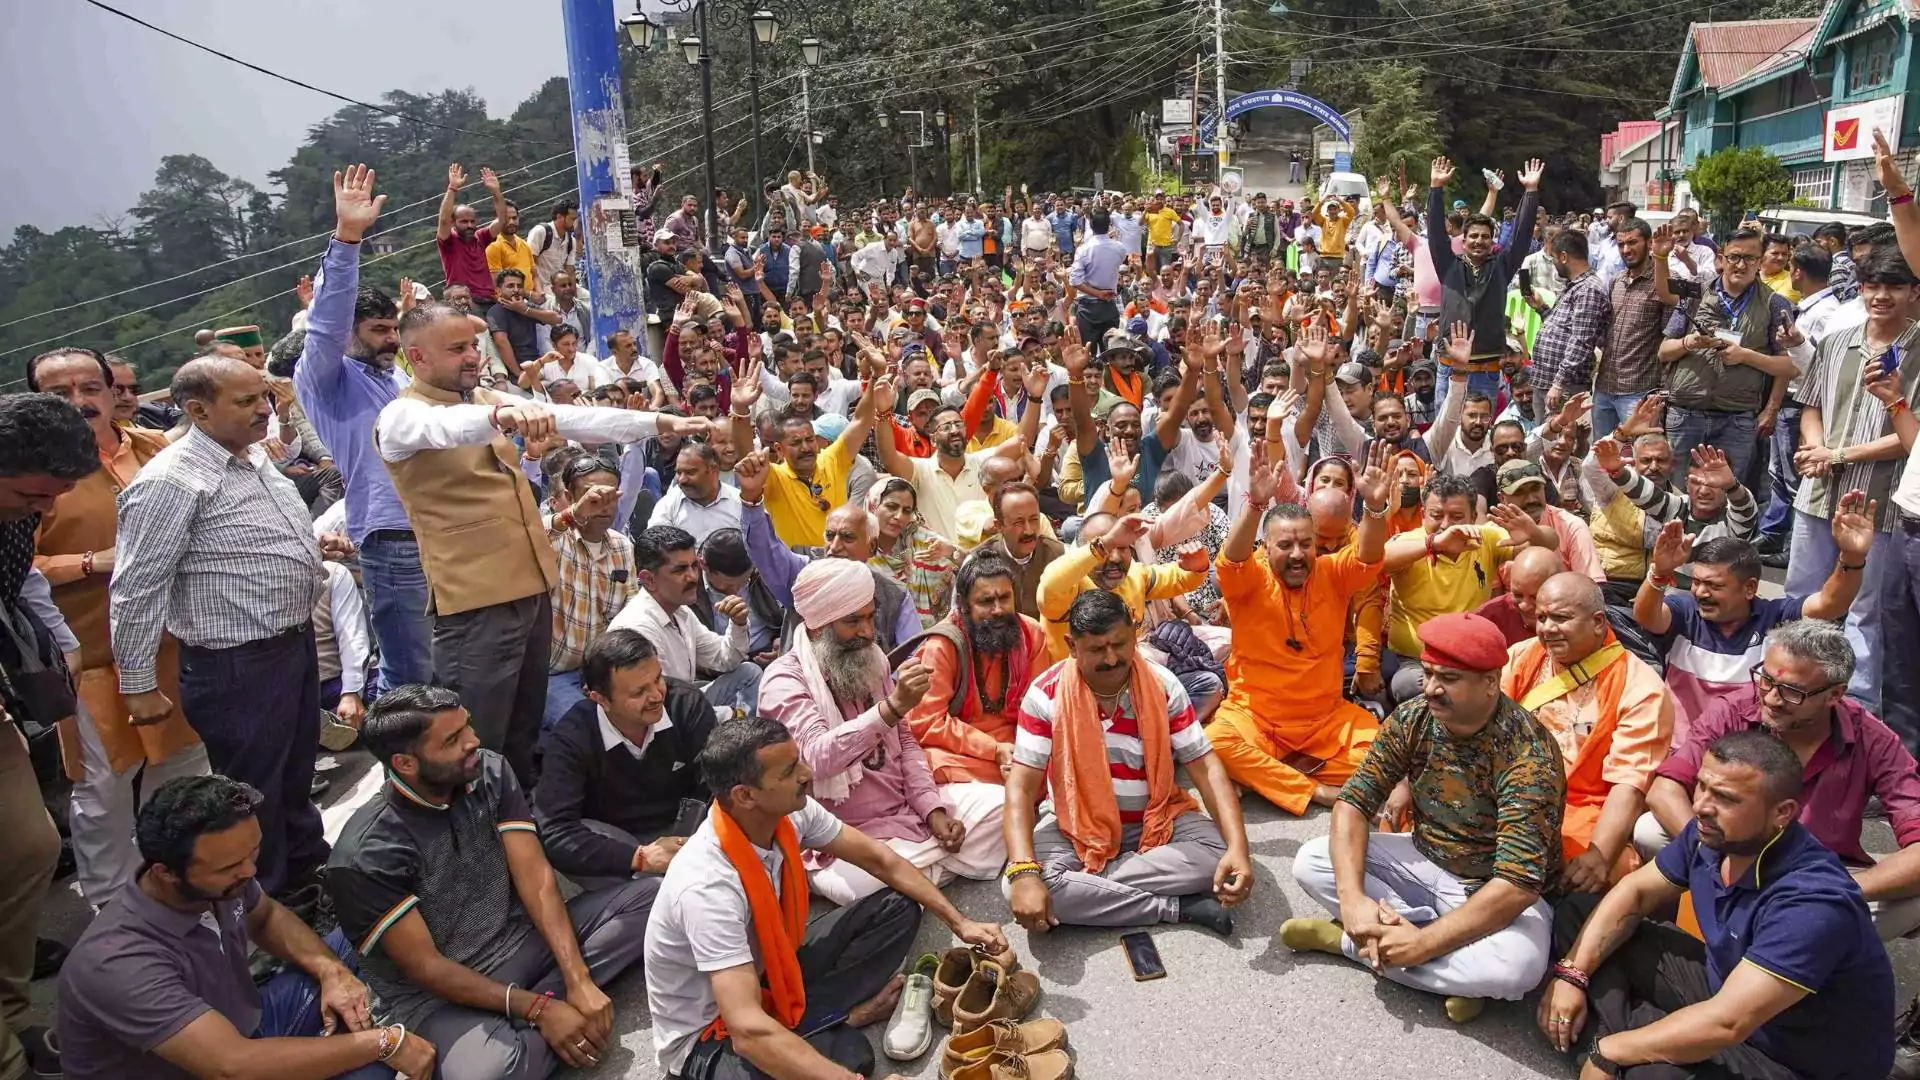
(97, 100)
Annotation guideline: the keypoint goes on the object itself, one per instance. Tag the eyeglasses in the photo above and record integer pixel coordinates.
(1736, 259)
(1790, 695)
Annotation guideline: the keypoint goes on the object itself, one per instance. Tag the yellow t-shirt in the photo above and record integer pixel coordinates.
(1160, 226)
(799, 509)
(1066, 577)
(1782, 283)
(510, 251)
(1443, 586)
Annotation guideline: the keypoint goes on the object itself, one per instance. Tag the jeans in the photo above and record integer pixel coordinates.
(1729, 432)
(739, 688)
(1487, 382)
(397, 602)
(1785, 440)
(1899, 611)
(1609, 410)
(1813, 559)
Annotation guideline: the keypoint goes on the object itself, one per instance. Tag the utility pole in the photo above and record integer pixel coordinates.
(978, 184)
(600, 151)
(806, 112)
(1219, 81)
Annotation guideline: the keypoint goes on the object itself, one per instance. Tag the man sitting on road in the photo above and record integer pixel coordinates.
(1104, 561)
(1513, 611)
(443, 886)
(1718, 624)
(1122, 843)
(979, 662)
(739, 983)
(1285, 731)
(618, 793)
(832, 691)
(1608, 711)
(147, 995)
(1022, 534)
(1456, 906)
(1523, 484)
(1786, 979)
(662, 611)
(1447, 566)
(1798, 693)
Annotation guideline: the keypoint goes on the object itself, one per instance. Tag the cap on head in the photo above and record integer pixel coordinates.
(1514, 476)
(1352, 374)
(1464, 642)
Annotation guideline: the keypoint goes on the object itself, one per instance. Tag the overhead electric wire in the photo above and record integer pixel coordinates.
(336, 95)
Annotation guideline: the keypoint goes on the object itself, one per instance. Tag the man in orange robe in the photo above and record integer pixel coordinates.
(1285, 730)
(1611, 715)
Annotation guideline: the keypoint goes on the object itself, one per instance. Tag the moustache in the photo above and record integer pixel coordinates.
(1115, 666)
(89, 412)
(1442, 700)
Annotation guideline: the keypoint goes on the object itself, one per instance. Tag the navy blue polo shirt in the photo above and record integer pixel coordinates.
(1797, 915)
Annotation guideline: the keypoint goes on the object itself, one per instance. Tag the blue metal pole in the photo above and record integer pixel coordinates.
(600, 154)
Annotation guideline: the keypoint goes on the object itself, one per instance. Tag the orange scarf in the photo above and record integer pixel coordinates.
(1587, 787)
(779, 924)
(1083, 799)
(1129, 386)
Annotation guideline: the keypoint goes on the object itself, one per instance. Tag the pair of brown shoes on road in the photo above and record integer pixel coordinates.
(984, 999)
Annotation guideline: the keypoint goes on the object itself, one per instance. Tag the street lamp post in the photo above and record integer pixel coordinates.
(885, 123)
(763, 31)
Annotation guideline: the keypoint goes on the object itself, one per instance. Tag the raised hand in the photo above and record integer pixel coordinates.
(1036, 381)
(1442, 173)
(1075, 358)
(1375, 484)
(456, 177)
(1647, 418)
(1663, 241)
(1127, 531)
(303, 291)
(1122, 465)
(1853, 526)
(1454, 540)
(909, 686)
(1674, 546)
(746, 382)
(1710, 466)
(1316, 346)
(1607, 455)
(1571, 410)
(1263, 477)
(489, 181)
(1459, 346)
(750, 473)
(1887, 169)
(355, 206)
(1530, 175)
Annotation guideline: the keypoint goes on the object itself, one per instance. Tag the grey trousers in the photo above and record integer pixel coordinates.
(495, 658)
(611, 925)
(1137, 887)
(29, 847)
(692, 813)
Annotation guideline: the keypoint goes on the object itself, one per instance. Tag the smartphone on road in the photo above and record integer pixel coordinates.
(1143, 957)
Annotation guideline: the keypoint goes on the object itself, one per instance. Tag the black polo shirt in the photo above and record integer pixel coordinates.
(402, 853)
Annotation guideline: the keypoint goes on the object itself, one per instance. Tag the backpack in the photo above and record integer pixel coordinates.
(546, 238)
(963, 672)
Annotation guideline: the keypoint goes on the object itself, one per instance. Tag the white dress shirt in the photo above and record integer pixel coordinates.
(702, 520)
(684, 643)
(408, 425)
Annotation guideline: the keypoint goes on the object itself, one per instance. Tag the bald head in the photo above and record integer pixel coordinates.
(1531, 569)
(850, 530)
(1578, 592)
(1332, 512)
(226, 399)
(998, 470)
(1570, 617)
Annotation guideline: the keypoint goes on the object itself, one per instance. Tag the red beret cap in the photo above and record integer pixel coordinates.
(1465, 642)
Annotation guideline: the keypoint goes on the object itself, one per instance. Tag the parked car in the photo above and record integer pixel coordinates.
(1798, 222)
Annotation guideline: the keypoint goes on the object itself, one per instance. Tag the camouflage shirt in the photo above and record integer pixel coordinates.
(1487, 806)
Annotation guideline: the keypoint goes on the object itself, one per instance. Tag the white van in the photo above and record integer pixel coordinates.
(1345, 184)
(1799, 223)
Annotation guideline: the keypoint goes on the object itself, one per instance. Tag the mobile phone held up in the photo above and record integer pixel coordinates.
(1143, 957)
(1526, 282)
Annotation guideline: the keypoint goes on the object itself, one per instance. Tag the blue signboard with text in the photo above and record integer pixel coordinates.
(1291, 99)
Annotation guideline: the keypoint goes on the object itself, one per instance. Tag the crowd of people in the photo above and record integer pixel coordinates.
(925, 540)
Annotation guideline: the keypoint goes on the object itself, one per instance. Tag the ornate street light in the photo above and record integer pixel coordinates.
(765, 27)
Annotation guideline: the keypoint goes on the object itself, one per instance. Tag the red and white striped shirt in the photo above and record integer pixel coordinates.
(1126, 761)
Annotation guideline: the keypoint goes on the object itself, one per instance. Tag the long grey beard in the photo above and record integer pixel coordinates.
(851, 670)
